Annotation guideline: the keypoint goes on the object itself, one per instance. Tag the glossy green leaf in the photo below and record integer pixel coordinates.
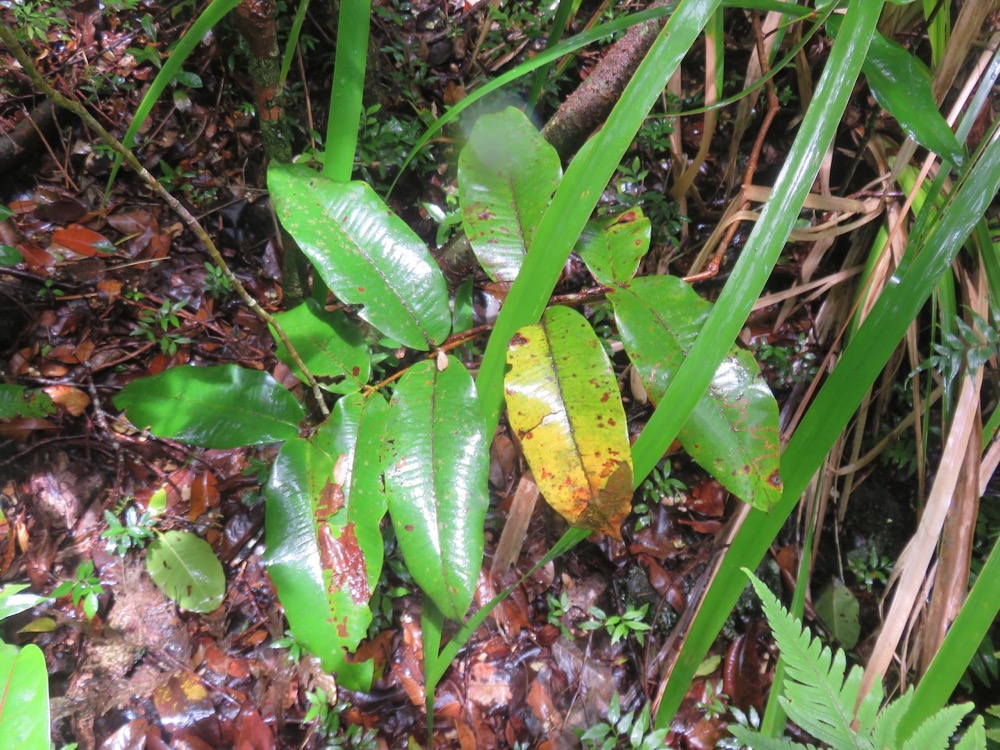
(354, 436)
(316, 565)
(436, 471)
(215, 407)
(329, 344)
(365, 253)
(24, 698)
(18, 401)
(185, 567)
(612, 246)
(565, 408)
(507, 174)
(837, 608)
(733, 430)
(901, 85)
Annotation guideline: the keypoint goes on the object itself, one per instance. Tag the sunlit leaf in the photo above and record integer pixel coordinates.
(507, 174)
(24, 698)
(612, 246)
(329, 344)
(185, 567)
(436, 471)
(317, 568)
(365, 253)
(214, 407)
(733, 430)
(565, 408)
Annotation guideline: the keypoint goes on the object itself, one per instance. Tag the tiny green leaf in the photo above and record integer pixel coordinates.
(185, 567)
(18, 401)
(612, 246)
(837, 608)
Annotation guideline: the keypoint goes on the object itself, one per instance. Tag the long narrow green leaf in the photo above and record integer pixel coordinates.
(579, 192)
(436, 473)
(860, 364)
(321, 579)
(214, 13)
(736, 301)
(348, 87)
(977, 615)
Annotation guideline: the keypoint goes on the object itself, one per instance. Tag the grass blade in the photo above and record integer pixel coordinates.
(860, 364)
(348, 87)
(730, 313)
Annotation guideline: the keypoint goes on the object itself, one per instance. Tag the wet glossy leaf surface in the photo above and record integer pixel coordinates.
(328, 343)
(24, 698)
(365, 253)
(216, 407)
(315, 565)
(565, 408)
(436, 470)
(733, 431)
(507, 174)
(612, 246)
(187, 570)
(901, 84)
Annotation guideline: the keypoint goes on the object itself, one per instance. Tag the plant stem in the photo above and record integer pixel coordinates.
(7, 37)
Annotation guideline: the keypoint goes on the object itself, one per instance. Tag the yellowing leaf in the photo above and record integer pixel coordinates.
(565, 408)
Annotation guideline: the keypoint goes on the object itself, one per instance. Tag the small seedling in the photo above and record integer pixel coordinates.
(630, 622)
(216, 282)
(623, 730)
(85, 587)
(558, 609)
(134, 533)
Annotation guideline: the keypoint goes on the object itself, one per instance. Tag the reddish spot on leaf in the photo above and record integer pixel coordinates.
(343, 558)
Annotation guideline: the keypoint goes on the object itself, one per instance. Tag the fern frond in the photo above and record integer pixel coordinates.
(885, 730)
(975, 737)
(817, 696)
(936, 731)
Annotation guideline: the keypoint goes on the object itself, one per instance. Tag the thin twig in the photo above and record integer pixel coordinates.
(7, 36)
